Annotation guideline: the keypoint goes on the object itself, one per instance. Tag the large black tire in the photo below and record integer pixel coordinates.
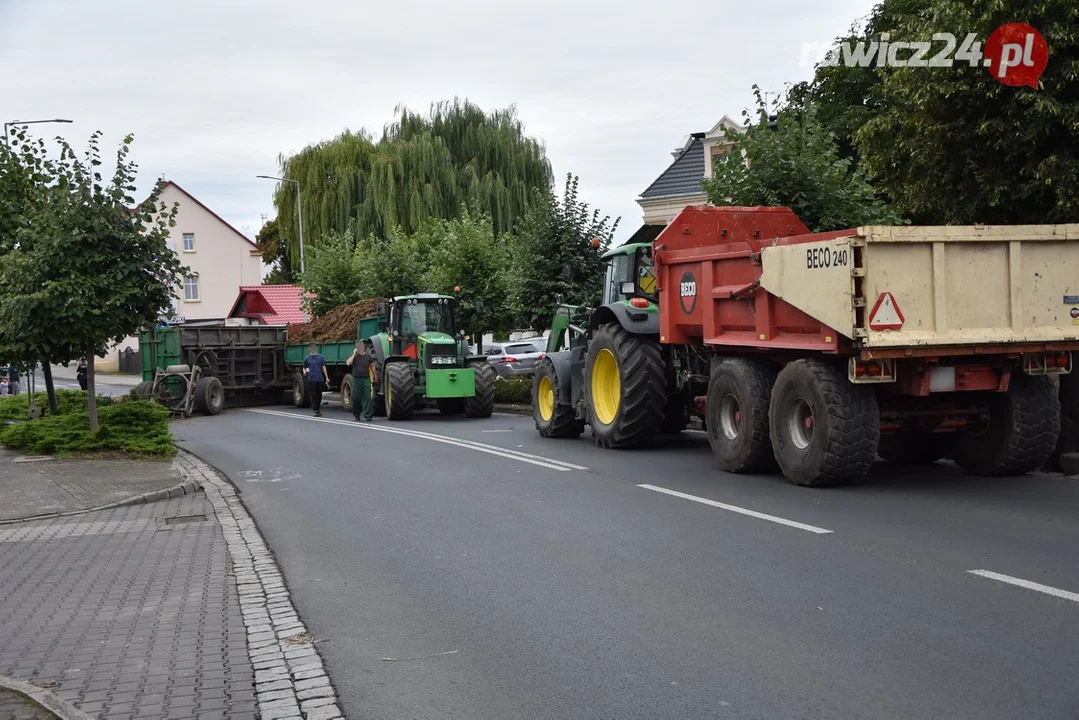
(552, 420)
(739, 393)
(144, 388)
(482, 404)
(451, 406)
(624, 374)
(401, 391)
(346, 393)
(300, 395)
(1024, 424)
(824, 429)
(209, 396)
(912, 448)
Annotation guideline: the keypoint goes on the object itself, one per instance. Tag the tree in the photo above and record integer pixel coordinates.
(94, 270)
(332, 274)
(423, 167)
(275, 252)
(463, 255)
(790, 159)
(396, 266)
(555, 253)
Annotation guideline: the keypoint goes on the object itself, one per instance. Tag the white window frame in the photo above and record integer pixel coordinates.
(185, 237)
(187, 295)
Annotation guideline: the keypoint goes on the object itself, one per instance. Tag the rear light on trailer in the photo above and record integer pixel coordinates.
(1050, 363)
(871, 371)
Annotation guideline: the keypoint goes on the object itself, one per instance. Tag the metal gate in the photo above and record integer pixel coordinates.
(131, 361)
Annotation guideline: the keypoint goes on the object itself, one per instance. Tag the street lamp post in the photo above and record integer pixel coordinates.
(7, 140)
(299, 221)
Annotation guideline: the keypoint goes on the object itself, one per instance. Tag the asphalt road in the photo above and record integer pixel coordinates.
(448, 576)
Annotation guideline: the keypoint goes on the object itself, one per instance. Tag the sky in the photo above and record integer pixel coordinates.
(216, 92)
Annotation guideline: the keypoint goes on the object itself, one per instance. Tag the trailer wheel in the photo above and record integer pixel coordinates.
(482, 404)
(552, 420)
(144, 388)
(400, 391)
(299, 390)
(209, 396)
(912, 448)
(824, 429)
(346, 393)
(738, 396)
(1024, 424)
(626, 387)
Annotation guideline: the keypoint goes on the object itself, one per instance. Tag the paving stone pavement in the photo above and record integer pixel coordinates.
(128, 616)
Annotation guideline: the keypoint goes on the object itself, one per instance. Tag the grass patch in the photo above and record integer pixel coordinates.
(516, 390)
(133, 426)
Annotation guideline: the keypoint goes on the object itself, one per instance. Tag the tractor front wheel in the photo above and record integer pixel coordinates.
(626, 387)
(552, 419)
(400, 391)
(482, 404)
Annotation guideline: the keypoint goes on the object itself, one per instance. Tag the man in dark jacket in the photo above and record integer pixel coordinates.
(314, 367)
(80, 373)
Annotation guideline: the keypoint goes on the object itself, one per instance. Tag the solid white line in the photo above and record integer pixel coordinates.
(735, 508)
(467, 444)
(1037, 587)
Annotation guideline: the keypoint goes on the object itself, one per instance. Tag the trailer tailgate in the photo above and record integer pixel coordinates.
(889, 287)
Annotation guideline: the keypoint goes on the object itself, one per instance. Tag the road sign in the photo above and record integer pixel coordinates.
(886, 314)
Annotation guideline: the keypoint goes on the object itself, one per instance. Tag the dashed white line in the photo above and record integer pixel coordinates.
(467, 444)
(1037, 587)
(736, 509)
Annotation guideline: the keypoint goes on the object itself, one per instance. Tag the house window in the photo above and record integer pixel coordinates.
(191, 288)
(189, 242)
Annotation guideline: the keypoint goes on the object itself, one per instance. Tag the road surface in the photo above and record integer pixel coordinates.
(456, 568)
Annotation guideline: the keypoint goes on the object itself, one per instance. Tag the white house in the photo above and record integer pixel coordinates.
(221, 260)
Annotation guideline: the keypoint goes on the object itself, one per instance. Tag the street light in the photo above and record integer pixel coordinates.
(299, 211)
(7, 140)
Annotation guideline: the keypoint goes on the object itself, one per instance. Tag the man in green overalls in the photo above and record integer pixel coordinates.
(360, 362)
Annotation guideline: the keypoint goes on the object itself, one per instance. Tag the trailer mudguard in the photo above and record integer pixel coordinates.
(634, 320)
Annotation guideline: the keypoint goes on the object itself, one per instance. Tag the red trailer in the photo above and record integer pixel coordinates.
(820, 350)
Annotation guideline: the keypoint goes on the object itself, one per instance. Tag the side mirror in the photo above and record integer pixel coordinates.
(381, 308)
(479, 307)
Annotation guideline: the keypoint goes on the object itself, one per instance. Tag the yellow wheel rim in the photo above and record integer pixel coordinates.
(545, 399)
(606, 387)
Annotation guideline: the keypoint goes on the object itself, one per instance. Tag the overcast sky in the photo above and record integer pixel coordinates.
(215, 91)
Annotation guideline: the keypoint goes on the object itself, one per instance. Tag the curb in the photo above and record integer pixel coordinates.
(188, 487)
(290, 678)
(508, 409)
(43, 698)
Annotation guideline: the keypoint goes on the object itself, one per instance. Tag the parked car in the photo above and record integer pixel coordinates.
(514, 359)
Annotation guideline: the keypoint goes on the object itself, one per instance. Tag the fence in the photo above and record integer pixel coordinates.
(131, 361)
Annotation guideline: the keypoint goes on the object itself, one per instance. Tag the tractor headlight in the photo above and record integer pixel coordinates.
(443, 360)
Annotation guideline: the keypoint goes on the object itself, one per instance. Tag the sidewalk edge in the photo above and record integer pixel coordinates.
(44, 698)
(187, 487)
(290, 677)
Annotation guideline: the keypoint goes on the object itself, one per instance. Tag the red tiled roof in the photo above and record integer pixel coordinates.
(271, 304)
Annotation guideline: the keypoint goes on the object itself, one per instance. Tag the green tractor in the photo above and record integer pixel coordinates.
(422, 359)
(605, 366)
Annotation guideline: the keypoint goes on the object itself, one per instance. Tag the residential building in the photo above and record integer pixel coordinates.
(267, 305)
(680, 184)
(220, 258)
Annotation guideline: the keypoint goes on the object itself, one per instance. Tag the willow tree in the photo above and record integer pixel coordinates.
(424, 166)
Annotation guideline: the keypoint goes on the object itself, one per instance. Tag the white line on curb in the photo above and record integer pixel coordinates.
(540, 460)
(1037, 587)
(735, 508)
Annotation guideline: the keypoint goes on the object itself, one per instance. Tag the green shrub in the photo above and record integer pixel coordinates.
(137, 427)
(517, 390)
(67, 401)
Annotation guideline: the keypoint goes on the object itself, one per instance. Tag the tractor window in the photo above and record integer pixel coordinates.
(426, 317)
(646, 276)
(617, 273)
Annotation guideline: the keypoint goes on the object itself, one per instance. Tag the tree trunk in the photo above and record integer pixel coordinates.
(50, 389)
(91, 395)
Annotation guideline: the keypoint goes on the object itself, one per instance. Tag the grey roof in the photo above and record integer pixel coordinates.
(684, 175)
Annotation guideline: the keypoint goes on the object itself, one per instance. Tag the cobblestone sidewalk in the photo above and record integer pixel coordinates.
(169, 609)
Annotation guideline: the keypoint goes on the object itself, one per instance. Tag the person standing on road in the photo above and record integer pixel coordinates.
(13, 380)
(360, 362)
(314, 367)
(3, 386)
(80, 373)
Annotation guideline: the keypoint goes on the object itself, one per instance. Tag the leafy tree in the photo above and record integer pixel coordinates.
(275, 252)
(422, 167)
(92, 270)
(396, 266)
(554, 253)
(332, 274)
(793, 161)
(462, 255)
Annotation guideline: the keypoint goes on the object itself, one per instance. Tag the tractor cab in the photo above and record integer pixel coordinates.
(629, 274)
(421, 322)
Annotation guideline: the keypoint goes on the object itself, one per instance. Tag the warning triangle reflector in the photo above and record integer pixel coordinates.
(886, 314)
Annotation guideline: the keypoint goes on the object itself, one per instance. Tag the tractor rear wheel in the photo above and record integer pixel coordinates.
(552, 419)
(625, 384)
(824, 428)
(400, 391)
(299, 390)
(1024, 424)
(209, 396)
(739, 393)
(482, 404)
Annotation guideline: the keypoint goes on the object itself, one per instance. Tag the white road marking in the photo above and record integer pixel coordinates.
(1037, 587)
(467, 444)
(735, 508)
